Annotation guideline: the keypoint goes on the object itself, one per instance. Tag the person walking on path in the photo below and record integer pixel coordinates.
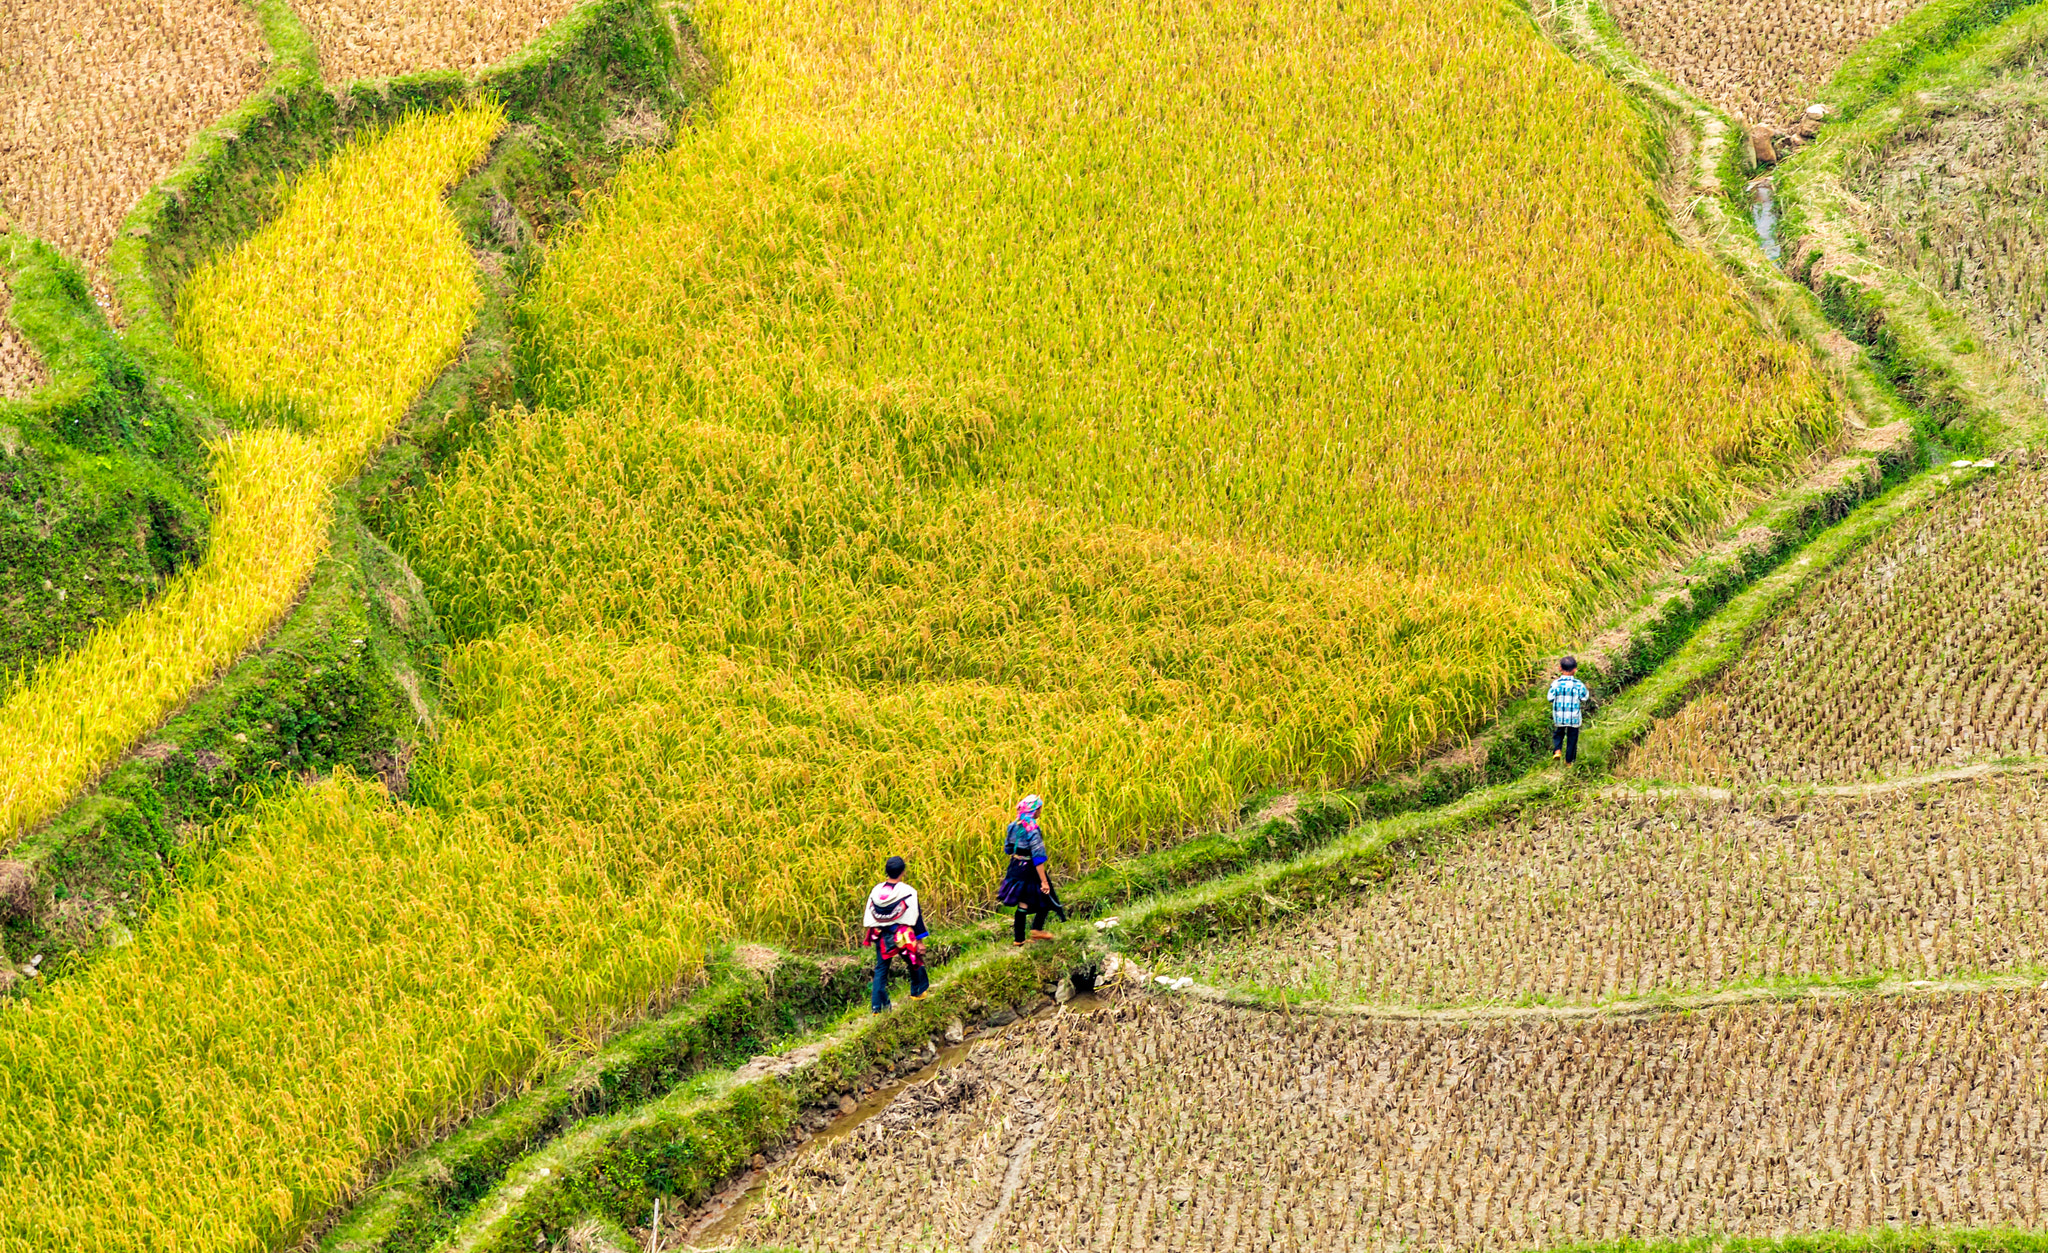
(896, 929)
(1027, 885)
(1568, 700)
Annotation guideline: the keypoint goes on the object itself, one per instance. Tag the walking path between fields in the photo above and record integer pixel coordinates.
(1815, 991)
(1874, 787)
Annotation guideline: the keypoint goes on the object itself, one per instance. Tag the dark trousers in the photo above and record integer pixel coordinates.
(879, 998)
(1566, 738)
(1037, 922)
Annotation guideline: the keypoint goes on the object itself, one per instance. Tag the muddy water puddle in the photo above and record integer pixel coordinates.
(1763, 213)
(717, 1223)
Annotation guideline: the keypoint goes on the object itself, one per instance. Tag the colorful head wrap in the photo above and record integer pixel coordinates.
(1029, 806)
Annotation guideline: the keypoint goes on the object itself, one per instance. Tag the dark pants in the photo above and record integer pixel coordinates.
(879, 999)
(1568, 739)
(1037, 922)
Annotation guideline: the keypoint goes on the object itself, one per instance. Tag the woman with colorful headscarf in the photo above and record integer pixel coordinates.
(1027, 885)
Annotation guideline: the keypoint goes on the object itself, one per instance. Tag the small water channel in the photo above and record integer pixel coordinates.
(1763, 212)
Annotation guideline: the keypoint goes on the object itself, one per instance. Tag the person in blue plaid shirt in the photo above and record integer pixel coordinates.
(1568, 700)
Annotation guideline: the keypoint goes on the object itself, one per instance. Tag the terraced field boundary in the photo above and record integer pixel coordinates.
(753, 999)
(1705, 188)
(1898, 783)
(1291, 853)
(1971, 399)
(1773, 993)
(96, 456)
(1373, 852)
(347, 680)
(1889, 1240)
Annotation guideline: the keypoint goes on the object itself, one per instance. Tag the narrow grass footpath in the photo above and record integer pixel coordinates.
(1775, 992)
(682, 1145)
(1287, 850)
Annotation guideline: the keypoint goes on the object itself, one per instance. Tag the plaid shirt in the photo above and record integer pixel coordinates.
(1566, 695)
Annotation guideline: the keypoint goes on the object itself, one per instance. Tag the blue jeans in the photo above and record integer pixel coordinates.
(919, 980)
(1566, 738)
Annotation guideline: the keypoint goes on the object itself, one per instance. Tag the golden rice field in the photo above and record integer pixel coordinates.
(991, 399)
(1763, 61)
(222, 1081)
(384, 38)
(99, 98)
(1030, 428)
(1635, 896)
(1151, 1126)
(1927, 651)
(278, 327)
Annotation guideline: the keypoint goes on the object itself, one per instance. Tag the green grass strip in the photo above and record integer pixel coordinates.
(1880, 1240)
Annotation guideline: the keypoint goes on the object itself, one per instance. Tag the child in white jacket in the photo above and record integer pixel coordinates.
(895, 926)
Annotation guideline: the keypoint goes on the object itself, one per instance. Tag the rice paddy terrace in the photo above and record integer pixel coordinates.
(516, 509)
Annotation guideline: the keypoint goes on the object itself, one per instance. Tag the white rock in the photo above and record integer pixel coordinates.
(1816, 111)
(1962, 463)
(1162, 981)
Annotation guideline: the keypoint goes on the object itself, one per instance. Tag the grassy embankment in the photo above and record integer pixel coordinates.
(1103, 425)
(1915, 321)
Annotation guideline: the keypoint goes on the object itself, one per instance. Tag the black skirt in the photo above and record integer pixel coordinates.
(1020, 887)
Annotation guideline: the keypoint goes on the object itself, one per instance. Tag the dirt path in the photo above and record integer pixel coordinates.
(1633, 1007)
(1876, 787)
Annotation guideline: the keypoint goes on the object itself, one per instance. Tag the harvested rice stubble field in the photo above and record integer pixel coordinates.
(99, 99)
(1167, 1125)
(1631, 896)
(1761, 60)
(1928, 650)
(361, 39)
(1954, 195)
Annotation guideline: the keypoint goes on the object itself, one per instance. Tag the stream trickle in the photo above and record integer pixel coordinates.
(1763, 211)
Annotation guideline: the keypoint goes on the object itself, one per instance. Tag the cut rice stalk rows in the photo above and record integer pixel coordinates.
(1929, 650)
(1156, 1125)
(1761, 60)
(1627, 897)
(384, 38)
(99, 98)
